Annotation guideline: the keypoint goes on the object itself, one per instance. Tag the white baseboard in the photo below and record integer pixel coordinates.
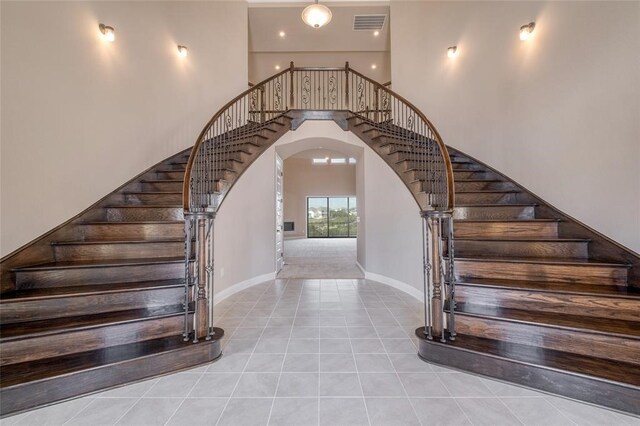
(391, 282)
(230, 291)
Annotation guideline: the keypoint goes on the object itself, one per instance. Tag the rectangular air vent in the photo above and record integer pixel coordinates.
(368, 22)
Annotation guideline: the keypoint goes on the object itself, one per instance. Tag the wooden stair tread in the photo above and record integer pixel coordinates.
(551, 287)
(545, 260)
(498, 205)
(609, 370)
(489, 191)
(152, 192)
(161, 180)
(606, 326)
(505, 220)
(31, 371)
(480, 180)
(97, 263)
(142, 206)
(151, 222)
(523, 239)
(58, 292)
(118, 241)
(25, 330)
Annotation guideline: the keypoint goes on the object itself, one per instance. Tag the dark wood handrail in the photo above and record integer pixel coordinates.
(291, 70)
(443, 148)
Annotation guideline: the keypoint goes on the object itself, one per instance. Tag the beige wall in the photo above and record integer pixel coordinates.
(245, 227)
(303, 179)
(81, 116)
(262, 64)
(560, 113)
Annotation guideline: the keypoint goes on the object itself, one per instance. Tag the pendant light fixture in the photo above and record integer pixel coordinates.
(316, 15)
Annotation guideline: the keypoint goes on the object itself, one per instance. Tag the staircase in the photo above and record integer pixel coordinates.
(541, 300)
(101, 300)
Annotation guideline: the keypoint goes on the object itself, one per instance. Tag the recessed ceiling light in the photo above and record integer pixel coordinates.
(374, 66)
(376, 33)
(277, 67)
(452, 52)
(282, 34)
(182, 51)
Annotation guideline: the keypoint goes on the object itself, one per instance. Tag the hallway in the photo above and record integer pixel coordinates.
(320, 258)
(329, 352)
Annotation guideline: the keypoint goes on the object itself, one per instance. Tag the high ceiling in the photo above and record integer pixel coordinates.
(265, 24)
(329, 46)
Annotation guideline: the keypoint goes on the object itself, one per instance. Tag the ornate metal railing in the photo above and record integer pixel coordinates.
(317, 89)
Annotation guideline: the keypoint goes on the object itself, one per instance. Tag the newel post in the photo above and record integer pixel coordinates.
(199, 276)
(437, 274)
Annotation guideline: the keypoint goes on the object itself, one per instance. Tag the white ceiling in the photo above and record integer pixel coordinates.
(265, 23)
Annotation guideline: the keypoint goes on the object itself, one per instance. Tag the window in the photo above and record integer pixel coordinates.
(332, 217)
(320, 160)
(338, 161)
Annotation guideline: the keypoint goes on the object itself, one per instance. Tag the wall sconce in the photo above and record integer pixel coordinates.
(108, 33)
(376, 33)
(282, 34)
(452, 52)
(374, 66)
(277, 67)
(526, 30)
(182, 51)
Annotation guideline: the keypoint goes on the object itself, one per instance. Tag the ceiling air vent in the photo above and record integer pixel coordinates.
(368, 22)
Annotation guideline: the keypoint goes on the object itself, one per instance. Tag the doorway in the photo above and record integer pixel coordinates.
(320, 215)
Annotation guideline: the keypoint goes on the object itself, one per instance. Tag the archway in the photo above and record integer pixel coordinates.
(241, 131)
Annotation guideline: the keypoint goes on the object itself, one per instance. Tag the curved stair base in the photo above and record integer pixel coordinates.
(556, 372)
(70, 376)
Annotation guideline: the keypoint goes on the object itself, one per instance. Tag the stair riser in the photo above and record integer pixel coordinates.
(409, 147)
(32, 394)
(470, 174)
(585, 343)
(168, 186)
(522, 249)
(82, 340)
(489, 198)
(468, 167)
(583, 388)
(132, 230)
(154, 198)
(571, 304)
(585, 274)
(500, 212)
(140, 214)
(480, 185)
(506, 229)
(148, 250)
(103, 275)
(419, 156)
(175, 165)
(90, 304)
(170, 175)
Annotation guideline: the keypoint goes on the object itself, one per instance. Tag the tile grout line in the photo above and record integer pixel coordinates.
(413, 408)
(286, 351)
(245, 366)
(353, 355)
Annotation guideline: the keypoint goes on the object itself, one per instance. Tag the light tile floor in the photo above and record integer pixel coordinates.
(320, 352)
